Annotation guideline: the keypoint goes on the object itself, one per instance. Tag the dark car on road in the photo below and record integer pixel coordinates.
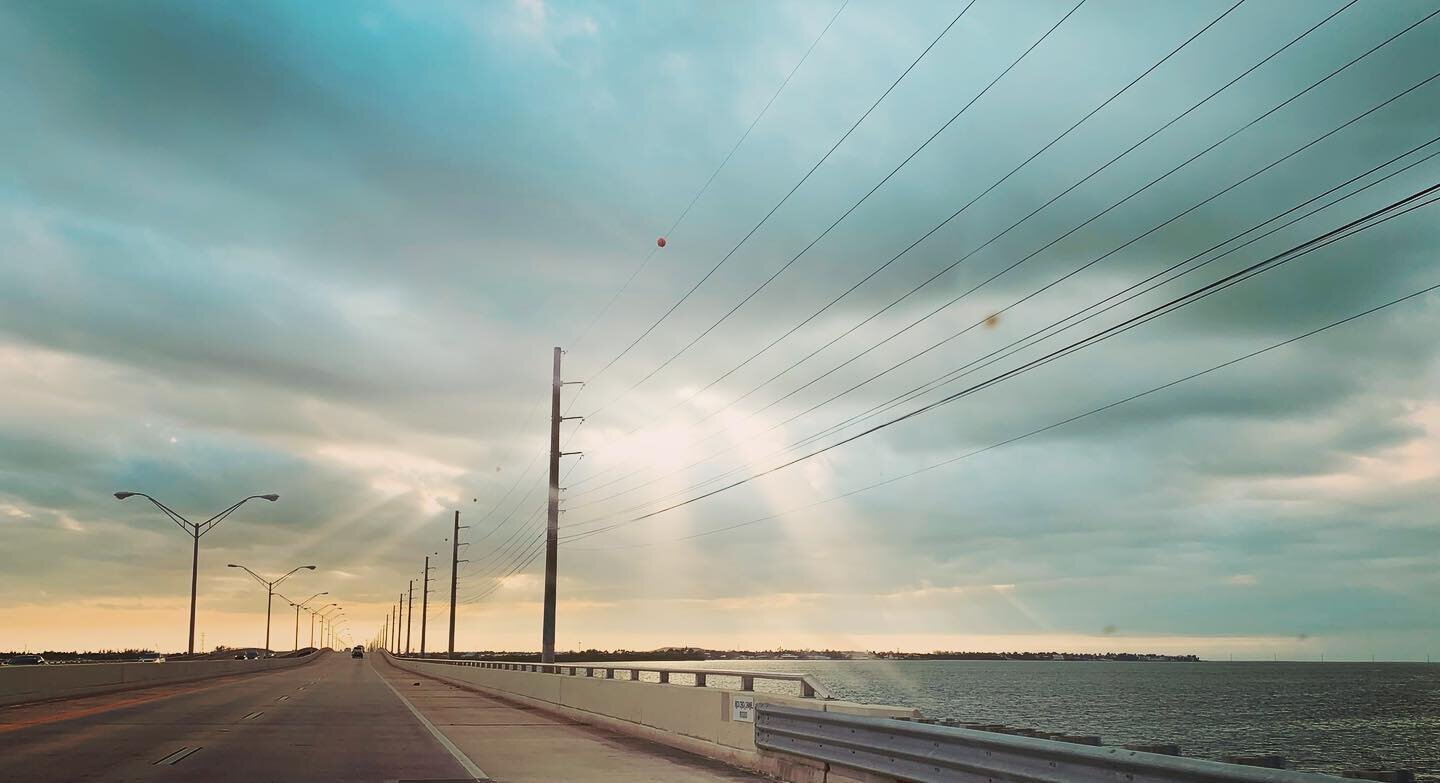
(27, 660)
(357, 652)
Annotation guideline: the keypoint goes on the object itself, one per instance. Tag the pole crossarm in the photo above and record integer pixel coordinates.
(175, 516)
(209, 524)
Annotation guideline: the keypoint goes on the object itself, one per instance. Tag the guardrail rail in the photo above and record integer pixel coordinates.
(930, 754)
(809, 687)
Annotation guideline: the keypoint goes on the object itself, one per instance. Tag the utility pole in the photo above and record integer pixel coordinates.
(386, 637)
(409, 616)
(424, 605)
(455, 562)
(399, 621)
(552, 517)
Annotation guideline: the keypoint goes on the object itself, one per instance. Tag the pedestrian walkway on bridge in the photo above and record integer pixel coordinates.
(511, 743)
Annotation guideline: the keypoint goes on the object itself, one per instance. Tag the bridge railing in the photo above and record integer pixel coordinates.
(808, 686)
(900, 750)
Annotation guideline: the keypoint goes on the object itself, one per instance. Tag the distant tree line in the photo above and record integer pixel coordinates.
(703, 654)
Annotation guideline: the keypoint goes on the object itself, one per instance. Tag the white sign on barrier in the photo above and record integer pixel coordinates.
(742, 708)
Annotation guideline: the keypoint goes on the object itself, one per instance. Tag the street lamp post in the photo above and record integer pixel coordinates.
(325, 618)
(298, 607)
(195, 531)
(313, 613)
(269, 592)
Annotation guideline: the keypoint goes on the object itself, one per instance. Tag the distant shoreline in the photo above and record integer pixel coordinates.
(701, 654)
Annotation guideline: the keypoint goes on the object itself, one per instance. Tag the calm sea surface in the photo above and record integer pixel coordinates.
(1323, 717)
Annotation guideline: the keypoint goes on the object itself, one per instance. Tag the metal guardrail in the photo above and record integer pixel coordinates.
(931, 754)
(809, 687)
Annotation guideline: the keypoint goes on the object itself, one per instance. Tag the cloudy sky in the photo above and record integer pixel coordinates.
(326, 249)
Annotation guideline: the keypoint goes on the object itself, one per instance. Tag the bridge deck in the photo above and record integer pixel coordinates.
(337, 719)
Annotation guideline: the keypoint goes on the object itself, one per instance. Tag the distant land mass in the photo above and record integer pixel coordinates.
(703, 654)
(667, 654)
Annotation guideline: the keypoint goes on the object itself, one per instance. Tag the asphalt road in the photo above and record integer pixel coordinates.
(332, 720)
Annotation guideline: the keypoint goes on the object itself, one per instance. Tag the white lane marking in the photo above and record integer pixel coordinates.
(474, 771)
(176, 757)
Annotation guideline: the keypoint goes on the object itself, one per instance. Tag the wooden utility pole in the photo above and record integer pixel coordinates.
(455, 562)
(552, 517)
(409, 616)
(424, 605)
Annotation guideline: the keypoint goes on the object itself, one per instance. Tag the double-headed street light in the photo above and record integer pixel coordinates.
(298, 607)
(313, 614)
(325, 618)
(195, 530)
(269, 591)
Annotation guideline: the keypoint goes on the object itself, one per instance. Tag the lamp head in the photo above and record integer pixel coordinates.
(123, 495)
(272, 497)
(231, 565)
(312, 568)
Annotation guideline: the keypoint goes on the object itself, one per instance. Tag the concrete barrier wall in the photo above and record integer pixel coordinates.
(695, 719)
(20, 684)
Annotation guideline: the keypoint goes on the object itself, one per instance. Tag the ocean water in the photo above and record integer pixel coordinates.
(1322, 717)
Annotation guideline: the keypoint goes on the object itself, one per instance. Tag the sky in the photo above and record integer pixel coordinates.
(327, 249)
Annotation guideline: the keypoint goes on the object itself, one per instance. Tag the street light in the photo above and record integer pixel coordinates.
(298, 607)
(325, 617)
(269, 592)
(195, 530)
(313, 613)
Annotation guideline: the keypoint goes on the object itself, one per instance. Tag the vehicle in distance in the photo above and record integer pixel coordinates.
(152, 658)
(252, 656)
(239, 656)
(357, 652)
(27, 660)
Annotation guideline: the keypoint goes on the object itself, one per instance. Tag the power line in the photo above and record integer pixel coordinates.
(1038, 431)
(1018, 345)
(1129, 294)
(892, 304)
(1091, 263)
(873, 273)
(705, 187)
(781, 202)
(1338, 234)
(722, 319)
(513, 545)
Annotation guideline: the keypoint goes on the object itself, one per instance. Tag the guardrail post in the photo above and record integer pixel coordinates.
(806, 689)
(700, 681)
(609, 674)
(664, 676)
(634, 674)
(747, 682)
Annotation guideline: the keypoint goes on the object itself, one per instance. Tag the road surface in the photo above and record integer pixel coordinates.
(334, 719)
(337, 719)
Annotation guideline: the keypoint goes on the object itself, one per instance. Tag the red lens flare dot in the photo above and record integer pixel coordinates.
(660, 241)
